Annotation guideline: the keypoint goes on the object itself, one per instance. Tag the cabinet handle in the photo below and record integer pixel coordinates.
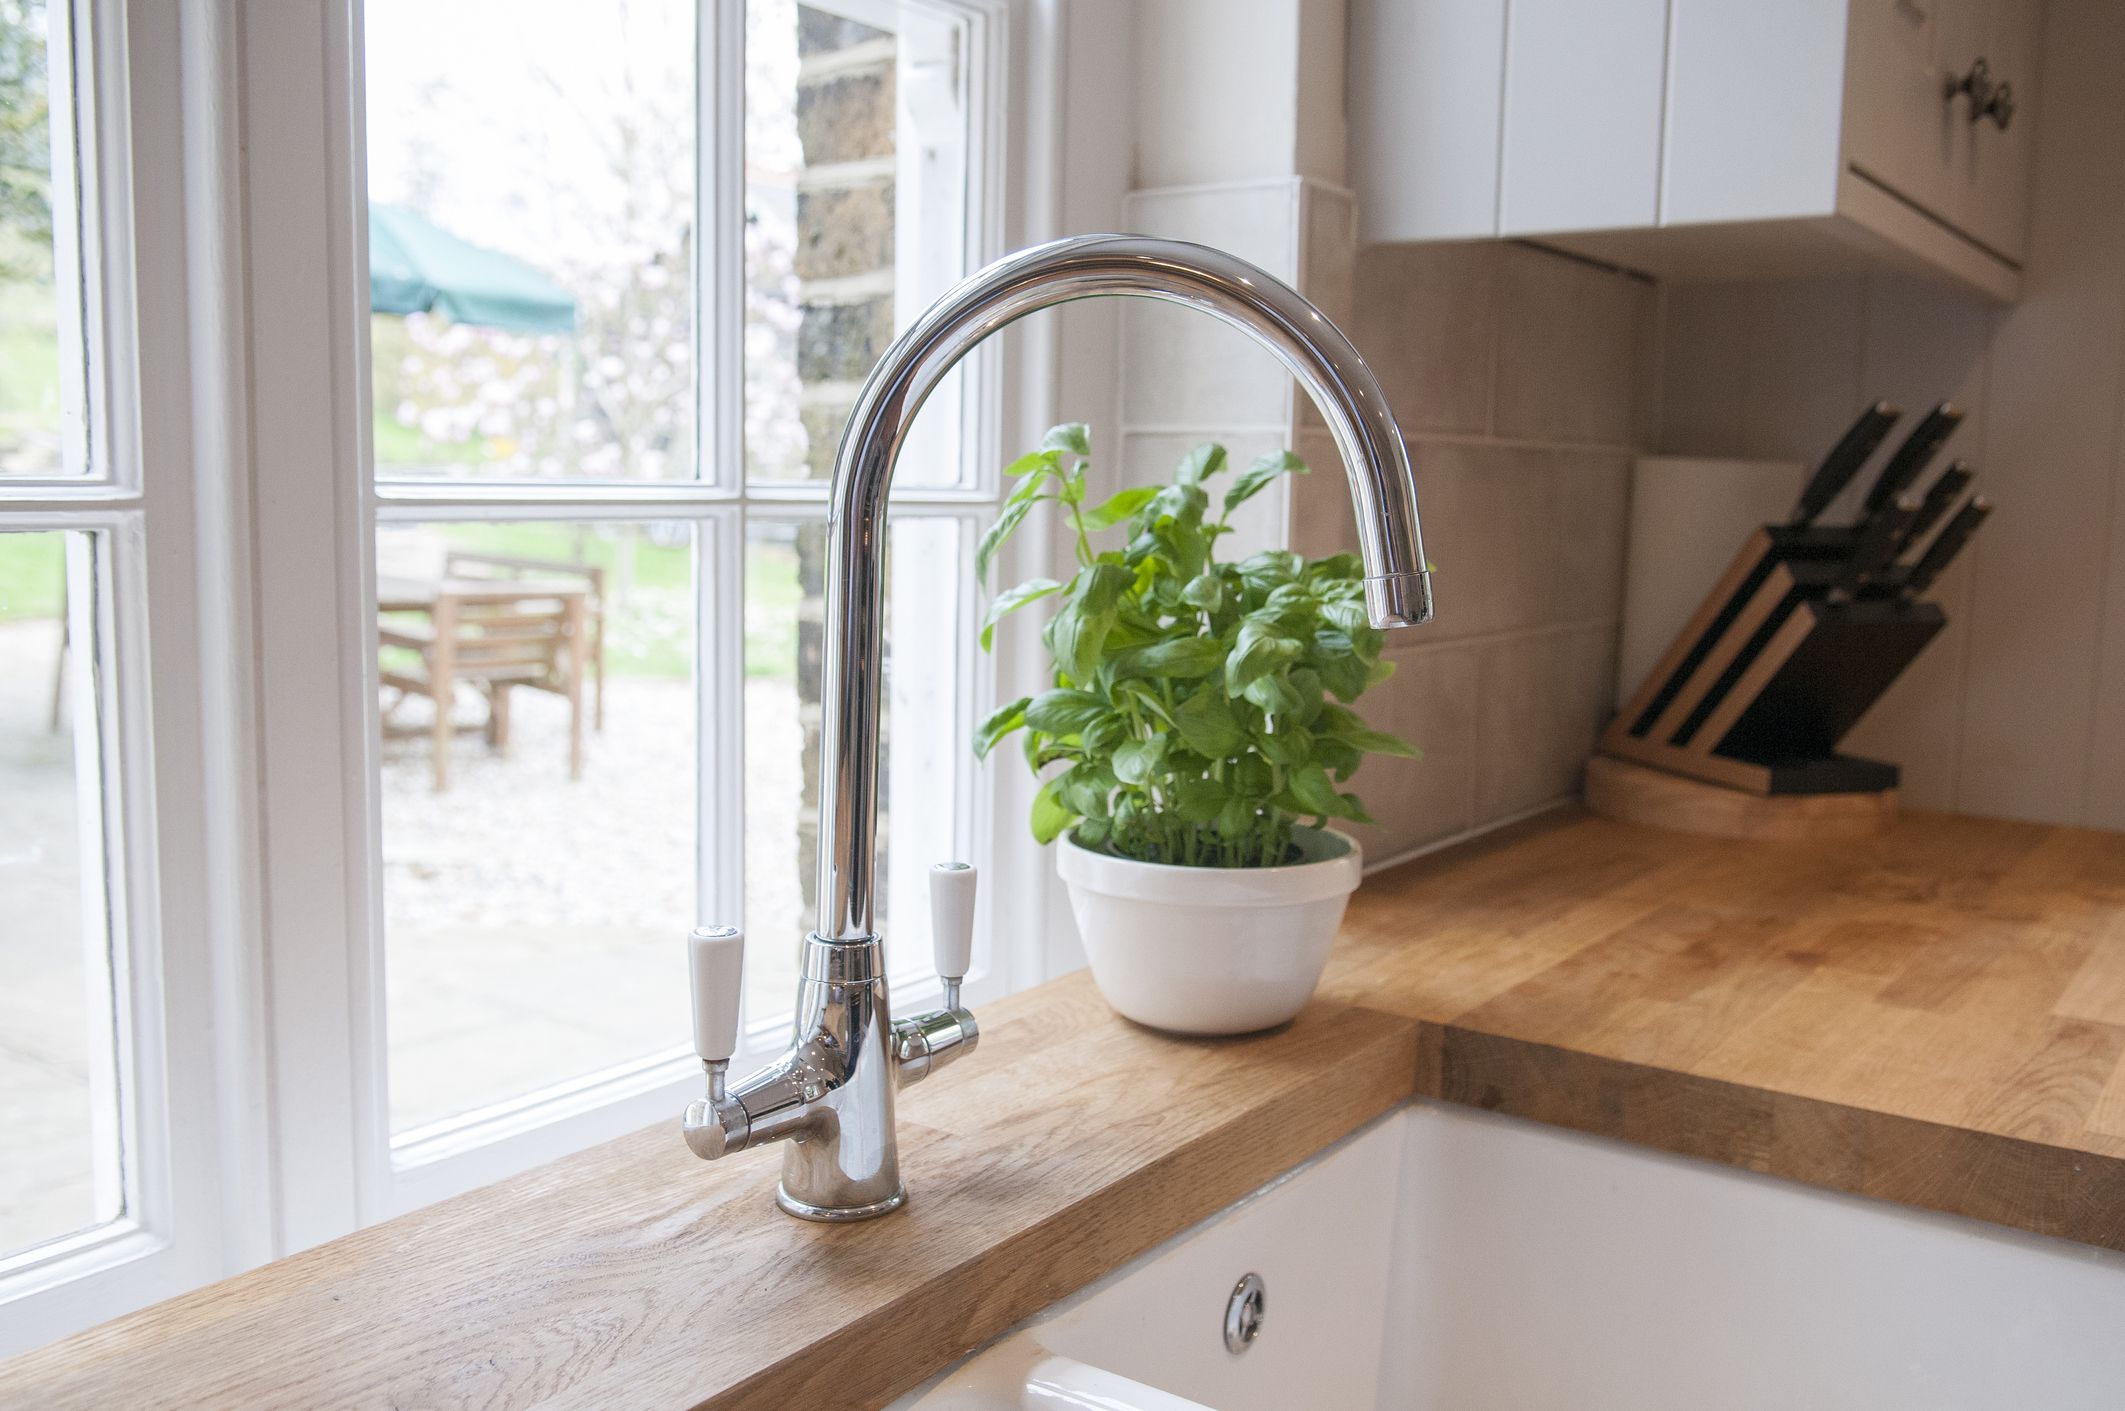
(1988, 98)
(2000, 106)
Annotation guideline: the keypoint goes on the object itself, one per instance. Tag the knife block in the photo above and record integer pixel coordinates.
(1767, 677)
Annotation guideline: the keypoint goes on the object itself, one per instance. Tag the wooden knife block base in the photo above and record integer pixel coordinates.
(1654, 798)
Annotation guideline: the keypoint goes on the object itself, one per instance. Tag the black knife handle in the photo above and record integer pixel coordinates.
(1879, 539)
(1911, 457)
(1941, 496)
(1946, 545)
(1843, 462)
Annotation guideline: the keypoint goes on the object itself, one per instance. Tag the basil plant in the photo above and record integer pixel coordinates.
(1200, 709)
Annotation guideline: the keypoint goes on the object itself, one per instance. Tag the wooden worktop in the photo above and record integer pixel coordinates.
(1936, 1017)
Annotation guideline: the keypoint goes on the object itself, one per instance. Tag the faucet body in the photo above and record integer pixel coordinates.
(831, 1094)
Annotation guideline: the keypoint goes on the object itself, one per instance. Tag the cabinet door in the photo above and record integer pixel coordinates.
(1755, 94)
(1582, 115)
(1993, 164)
(1425, 79)
(1900, 133)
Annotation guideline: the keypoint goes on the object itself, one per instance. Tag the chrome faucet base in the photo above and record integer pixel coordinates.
(839, 1214)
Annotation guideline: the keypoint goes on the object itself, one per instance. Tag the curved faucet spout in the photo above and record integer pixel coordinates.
(1397, 586)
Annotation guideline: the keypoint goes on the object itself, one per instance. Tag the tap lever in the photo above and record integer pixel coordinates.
(952, 924)
(716, 965)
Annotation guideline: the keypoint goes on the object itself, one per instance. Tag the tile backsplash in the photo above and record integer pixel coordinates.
(1522, 380)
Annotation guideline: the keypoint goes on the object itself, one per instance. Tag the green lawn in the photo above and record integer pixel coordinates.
(32, 575)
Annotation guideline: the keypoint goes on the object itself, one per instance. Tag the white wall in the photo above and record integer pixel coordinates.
(2019, 708)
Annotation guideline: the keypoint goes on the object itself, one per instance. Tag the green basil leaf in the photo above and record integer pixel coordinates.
(1078, 634)
(1310, 785)
(998, 725)
(1274, 694)
(1031, 462)
(1350, 616)
(1338, 757)
(1072, 436)
(1205, 722)
(1137, 761)
(1182, 659)
(1251, 775)
(1200, 800)
(1270, 569)
(1345, 675)
(1064, 712)
(1336, 568)
(1236, 817)
(1289, 745)
(1259, 650)
(1092, 832)
(1257, 476)
(1006, 523)
(1050, 816)
(1084, 790)
(1010, 601)
(1206, 591)
(1200, 464)
(1380, 742)
(1119, 506)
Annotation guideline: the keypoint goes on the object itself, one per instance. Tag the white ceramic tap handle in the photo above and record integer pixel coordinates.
(716, 962)
(952, 918)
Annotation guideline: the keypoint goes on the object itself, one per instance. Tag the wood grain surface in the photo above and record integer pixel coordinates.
(1935, 1017)
(1637, 793)
(634, 1275)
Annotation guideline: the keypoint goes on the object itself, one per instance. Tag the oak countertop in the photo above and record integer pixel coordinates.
(1936, 1018)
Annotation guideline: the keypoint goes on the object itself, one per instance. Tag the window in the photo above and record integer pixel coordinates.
(599, 449)
(468, 460)
(98, 756)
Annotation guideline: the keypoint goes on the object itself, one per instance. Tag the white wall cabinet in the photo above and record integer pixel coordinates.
(1703, 139)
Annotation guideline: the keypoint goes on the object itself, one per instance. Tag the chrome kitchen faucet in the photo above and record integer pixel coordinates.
(831, 1094)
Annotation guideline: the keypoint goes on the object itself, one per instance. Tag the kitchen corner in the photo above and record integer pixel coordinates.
(1911, 1018)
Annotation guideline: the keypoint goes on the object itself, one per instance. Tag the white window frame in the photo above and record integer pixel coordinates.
(320, 806)
(190, 1159)
(226, 358)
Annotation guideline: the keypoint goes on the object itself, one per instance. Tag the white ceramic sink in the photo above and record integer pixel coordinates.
(1451, 1260)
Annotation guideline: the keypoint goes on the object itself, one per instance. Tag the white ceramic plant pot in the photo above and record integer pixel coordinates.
(1211, 950)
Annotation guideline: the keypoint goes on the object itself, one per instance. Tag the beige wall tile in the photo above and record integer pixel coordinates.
(1543, 699)
(1489, 522)
(1804, 354)
(1590, 495)
(1431, 702)
(1571, 347)
(1180, 367)
(1704, 375)
(1424, 323)
(1522, 538)
(1320, 515)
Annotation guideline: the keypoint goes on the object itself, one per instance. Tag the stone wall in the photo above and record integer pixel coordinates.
(844, 266)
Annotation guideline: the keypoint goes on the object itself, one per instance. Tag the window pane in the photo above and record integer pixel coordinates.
(920, 750)
(40, 287)
(58, 1104)
(535, 889)
(531, 188)
(855, 212)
